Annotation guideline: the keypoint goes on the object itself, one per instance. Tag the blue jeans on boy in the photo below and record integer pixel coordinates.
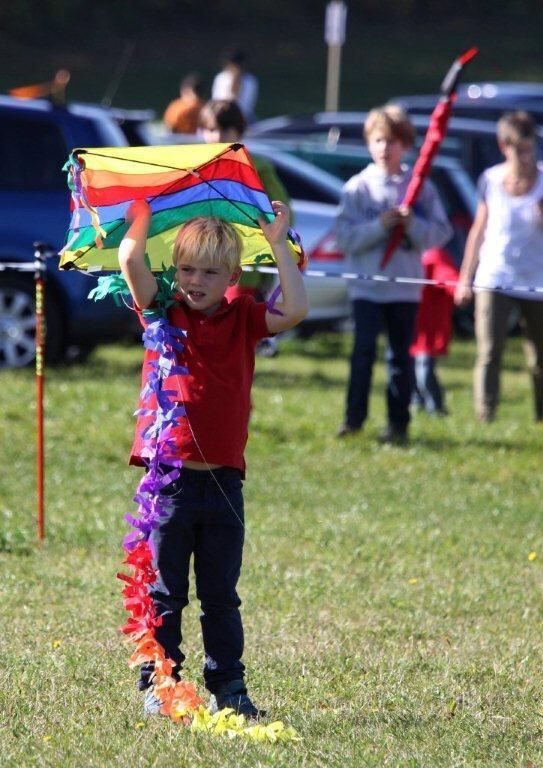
(427, 391)
(398, 319)
(206, 519)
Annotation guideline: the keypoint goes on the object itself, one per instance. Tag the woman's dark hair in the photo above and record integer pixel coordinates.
(226, 114)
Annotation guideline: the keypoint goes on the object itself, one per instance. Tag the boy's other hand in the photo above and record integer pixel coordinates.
(139, 209)
(405, 215)
(396, 216)
(275, 231)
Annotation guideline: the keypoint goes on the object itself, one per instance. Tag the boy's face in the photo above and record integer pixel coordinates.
(203, 286)
(385, 150)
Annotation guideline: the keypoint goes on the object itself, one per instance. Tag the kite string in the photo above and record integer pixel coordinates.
(209, 469)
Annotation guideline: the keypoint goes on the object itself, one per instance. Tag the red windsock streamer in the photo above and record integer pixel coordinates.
(437, 129)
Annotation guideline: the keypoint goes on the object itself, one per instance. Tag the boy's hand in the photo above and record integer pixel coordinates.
(275, 232)
(406, 214)
(396, 216)
(138, 210)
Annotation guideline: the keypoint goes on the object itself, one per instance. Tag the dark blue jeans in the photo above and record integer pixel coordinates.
(398, 320)
(206, 520)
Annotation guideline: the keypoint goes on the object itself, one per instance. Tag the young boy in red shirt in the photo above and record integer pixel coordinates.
(206, 513)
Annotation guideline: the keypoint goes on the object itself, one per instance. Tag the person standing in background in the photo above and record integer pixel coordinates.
(370, 208)
(181, 115)
(505, 248)
(233, 83)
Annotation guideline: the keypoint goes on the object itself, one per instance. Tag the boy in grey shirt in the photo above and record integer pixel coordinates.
(370, 208)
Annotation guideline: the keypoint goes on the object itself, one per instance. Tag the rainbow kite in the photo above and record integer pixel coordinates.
(179, 183)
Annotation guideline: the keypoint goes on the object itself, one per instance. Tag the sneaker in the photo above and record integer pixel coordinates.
(234, 696)
(394, 434)
(151, 703)
(346, 430)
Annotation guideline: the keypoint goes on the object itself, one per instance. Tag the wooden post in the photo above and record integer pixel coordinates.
(334, 35)
(333, 78)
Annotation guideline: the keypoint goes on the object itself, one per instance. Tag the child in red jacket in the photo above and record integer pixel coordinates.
(433, 331)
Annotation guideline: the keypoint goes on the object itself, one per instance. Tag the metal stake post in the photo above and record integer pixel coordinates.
(39, 278)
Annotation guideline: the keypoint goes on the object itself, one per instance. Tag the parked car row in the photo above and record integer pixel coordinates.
(487, 101)
(470, 141)
(313, 155)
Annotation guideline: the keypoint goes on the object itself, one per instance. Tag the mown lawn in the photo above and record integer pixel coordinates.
(392, 597)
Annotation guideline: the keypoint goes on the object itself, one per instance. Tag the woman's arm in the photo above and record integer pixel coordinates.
(464, 290)
(294, 306)
(137, 274)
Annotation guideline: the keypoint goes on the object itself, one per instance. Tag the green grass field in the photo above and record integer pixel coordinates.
(392, 598)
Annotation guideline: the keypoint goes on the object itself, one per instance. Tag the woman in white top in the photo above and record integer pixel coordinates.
(504, 253)
(233, 83)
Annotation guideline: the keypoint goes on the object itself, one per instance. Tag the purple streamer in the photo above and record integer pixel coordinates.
(271, 301)
(159, 449)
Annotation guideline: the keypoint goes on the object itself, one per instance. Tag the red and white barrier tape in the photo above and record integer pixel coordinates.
(316, 273)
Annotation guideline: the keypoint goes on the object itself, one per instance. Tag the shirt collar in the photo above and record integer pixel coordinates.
(223, 307)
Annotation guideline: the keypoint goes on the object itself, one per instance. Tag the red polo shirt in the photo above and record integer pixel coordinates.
(220, 356)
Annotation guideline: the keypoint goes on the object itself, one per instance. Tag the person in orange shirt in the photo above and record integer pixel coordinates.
(182, 114)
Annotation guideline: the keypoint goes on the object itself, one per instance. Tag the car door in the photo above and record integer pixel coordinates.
(32, 185)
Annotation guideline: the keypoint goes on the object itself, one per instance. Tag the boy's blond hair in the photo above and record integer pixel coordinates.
(208, 240)
(392, 119)
(514, 127)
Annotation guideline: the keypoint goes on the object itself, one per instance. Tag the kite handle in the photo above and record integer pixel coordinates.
(450, 81)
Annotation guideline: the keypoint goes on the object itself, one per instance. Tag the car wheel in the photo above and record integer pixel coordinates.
(18, 324)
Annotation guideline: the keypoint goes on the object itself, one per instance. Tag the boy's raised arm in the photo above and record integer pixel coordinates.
(137, 274)
(294, 306)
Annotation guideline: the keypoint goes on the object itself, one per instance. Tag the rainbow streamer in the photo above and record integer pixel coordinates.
(179, 182)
